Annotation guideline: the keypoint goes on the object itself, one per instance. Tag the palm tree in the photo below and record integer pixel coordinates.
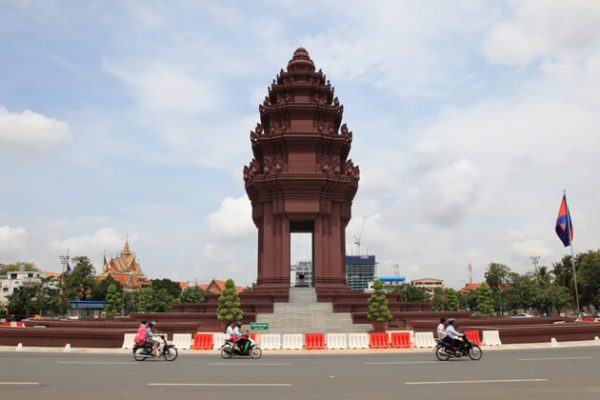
(543, 276)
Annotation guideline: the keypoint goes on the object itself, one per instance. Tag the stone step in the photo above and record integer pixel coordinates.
(303, 314)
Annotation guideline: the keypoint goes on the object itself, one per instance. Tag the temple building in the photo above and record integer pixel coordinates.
(126, 270)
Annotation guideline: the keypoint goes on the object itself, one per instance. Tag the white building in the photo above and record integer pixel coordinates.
(11, 280)
(428, 284)
(302, 274)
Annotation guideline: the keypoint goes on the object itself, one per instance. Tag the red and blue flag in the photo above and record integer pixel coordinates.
(564, 225)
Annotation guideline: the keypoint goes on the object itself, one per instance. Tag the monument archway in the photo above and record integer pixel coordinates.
(300, 179)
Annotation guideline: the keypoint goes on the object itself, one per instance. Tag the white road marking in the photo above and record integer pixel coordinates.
(554, 358)
(223, 384)
(480, 381)
(252, 364)
(19, 383)
(96, 363)
(403, 362)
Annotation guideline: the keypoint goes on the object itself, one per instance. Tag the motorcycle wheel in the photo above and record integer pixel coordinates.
(170, 354)
(441, 354)
(138, 354)
(475, 353)
(256, 353)
(226, 353)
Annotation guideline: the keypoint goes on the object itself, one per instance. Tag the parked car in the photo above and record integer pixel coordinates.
(521, 315)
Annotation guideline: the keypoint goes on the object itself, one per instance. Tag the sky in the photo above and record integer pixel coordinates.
(131, 119)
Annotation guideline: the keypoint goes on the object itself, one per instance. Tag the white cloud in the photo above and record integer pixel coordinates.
(12, 241)
(30, 131)
(230, 248)
(167, 88)
(92, 245)
(545, 30)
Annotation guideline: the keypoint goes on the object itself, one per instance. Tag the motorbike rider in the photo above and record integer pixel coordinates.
(441, 331)
(140, 336)
(232, 333)
(454, 335)
(150, 337)
(241, 339)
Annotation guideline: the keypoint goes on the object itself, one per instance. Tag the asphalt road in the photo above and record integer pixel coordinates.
(572, 373)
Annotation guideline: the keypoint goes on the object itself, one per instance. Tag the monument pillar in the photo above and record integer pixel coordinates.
(300, 179)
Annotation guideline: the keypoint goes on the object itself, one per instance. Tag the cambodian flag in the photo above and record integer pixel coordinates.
(564, 225)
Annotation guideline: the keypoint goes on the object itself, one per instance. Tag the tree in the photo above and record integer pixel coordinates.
(229, 307)
(18, 266)
(378, 310)
(543, 276)
(192, 294)
(100, 289)
(146, 300)
(496, 277)
(155, 300)
(524, 292)
(78, 284)
(588, 276)
(563, 274)
(438, 303)
(557, 296)
(410, 293)
(485, 301)
(22, 301)
(452, 303)
(113, 298)
(130, 301)
(172, 288)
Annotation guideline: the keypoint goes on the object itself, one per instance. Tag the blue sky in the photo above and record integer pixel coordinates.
(131, 119)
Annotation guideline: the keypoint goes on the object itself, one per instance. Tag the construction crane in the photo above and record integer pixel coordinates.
(359, 237)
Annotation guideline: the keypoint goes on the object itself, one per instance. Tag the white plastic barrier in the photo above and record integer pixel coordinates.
(293, 341)
(218, 340)
(337, 341)
(128, 339)
(424, 339)
(358, 340)
(182, 341)
(270, 341)
(491, 338)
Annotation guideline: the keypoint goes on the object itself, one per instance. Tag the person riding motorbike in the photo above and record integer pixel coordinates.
(150, 337)
(233, 333)
(455, 336)
(441, 331)
(140, 336)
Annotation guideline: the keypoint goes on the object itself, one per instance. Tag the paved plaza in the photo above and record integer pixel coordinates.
(524, 374)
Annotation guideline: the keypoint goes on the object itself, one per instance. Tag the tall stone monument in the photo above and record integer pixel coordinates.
(300, 179)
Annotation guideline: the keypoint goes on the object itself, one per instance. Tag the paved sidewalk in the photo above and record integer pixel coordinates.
(522, 346)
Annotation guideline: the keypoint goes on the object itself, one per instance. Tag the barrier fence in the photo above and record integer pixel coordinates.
(321, 341)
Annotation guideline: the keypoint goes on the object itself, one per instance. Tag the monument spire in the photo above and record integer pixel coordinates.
(300, 179)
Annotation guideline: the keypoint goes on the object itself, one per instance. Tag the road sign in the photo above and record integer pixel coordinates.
(259, 326)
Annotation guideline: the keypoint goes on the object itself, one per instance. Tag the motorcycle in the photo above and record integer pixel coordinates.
(165, 350)
(444, 351)
(245, 347)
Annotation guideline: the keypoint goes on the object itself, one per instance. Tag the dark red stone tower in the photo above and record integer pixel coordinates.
(301, 179)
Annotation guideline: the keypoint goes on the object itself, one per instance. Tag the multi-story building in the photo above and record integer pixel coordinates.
(12, 280)
(302, 274)
(428, 284)
(360, 271)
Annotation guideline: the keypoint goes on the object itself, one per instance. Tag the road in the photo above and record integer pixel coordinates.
(571, 373)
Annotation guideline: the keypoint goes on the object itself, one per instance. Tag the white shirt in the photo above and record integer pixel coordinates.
(450, 331)
(232, 332)
(441, 331)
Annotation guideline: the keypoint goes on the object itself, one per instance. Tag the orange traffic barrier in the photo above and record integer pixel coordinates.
(203, 341)
(473, 337)
(379, 340)
(253, 336)
(314, 341)
(588, 319)
(401, 340)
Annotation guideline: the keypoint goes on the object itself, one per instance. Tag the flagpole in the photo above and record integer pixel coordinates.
(569, 230)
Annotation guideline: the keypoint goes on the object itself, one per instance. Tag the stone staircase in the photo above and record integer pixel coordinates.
(303, 314)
